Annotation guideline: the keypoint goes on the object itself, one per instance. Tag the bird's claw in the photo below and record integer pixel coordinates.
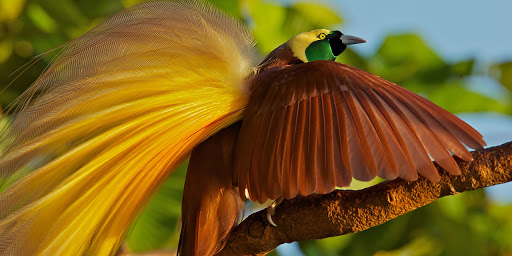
(271, 210)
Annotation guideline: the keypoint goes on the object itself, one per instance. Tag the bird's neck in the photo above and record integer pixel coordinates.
(282, 56)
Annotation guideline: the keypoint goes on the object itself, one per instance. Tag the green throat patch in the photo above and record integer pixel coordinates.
(319, 50)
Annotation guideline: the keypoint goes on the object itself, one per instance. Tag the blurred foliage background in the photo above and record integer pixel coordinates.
(466, 224)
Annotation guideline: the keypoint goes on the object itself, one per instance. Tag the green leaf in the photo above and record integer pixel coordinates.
(456, 98)
(99, 8)
(327, 246)
(230, 7)
(65, 12)
(274, 24)
(501, 229)
(267, 19)
(420, 246)
(463, 68)
(403, 57)
(41, 19)
(318, 14)
(5, 50)
(503, 73)
(10, 9)
(302, 17)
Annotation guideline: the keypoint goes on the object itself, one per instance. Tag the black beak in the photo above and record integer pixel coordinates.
(348, 40)
(338, 41)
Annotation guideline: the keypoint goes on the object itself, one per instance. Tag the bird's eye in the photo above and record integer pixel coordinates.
(322, 36)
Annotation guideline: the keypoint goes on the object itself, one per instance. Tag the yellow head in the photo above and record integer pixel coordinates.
(320, 44)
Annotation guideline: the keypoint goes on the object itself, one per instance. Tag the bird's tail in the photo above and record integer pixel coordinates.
(113, 115)
(211, 203)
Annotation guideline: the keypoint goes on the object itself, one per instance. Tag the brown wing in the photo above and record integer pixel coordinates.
(313, 126)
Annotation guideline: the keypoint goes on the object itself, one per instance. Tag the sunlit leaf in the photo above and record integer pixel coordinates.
(457, 207)
(10, 9)
(274, 24)
(129, 3)
(266, 22)
(503, 73)
(460, 233)
(41, 19)
(230, 7)
(66, 12)
(303, 17)
(328, 246)
(420, 246)
(456, 98)
(5, 49)
(318, 14)
(501, 232)
(403, 57)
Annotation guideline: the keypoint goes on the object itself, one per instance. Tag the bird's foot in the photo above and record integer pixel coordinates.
(453, 190)
(271, 210)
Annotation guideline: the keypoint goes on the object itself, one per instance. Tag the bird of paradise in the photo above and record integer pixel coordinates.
(123, 105)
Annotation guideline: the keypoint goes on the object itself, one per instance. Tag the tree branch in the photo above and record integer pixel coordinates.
(346, 211)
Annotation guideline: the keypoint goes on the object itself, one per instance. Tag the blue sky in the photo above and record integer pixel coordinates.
(455, 28)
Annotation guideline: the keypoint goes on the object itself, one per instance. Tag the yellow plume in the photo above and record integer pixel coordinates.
(114, 114)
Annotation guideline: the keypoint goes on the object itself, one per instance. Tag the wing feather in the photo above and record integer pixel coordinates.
(392, 139)
(386, 165)
(419, 156)
(344, 176)
(337, 122)
(298, 152)
(329, 168)
(253, 180)
(363, 166)
(302, 162)
(467, 134)
(454, 131)
(428, 137)
(273, 145)
(314, 160)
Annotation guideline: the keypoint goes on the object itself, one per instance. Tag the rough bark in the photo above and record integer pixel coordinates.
(346, 211)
